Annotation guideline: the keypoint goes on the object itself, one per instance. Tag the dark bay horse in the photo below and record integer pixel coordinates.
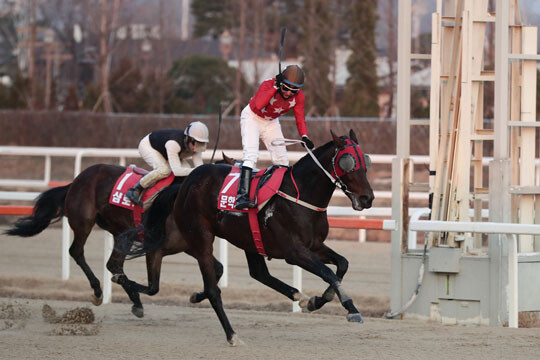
(85, 202)
(290, 231)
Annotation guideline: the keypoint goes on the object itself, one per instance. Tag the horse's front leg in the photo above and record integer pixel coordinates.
(310, 262)
(206, 265)
(200, 296)
(259, 271)
(328, 256)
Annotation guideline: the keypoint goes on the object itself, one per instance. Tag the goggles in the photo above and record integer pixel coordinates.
(285, 87)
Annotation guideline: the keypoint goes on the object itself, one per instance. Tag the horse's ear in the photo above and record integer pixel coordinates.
(226, 159)
(337, 140)
(352, 136)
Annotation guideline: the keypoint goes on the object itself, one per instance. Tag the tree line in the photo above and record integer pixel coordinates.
(98, 70)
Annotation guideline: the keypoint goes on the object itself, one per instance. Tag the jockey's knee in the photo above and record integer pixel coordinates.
(163, 172)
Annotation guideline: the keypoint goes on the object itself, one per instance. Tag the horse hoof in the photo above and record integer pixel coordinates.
(302, 299)
(137, 311)
(355, 318)
(96, 300)
(311, 305)
(196, 298)
(235, 341)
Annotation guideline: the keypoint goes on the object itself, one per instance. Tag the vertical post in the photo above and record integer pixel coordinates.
(499, 171)
(403, 146)
(528, 134)
(224, 260)
(512, 282)
(66, 242)
(362, 233)
(47, 175)
(297, 283)
(107, 284)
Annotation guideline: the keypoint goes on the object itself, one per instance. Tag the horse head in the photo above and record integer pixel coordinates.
(349, 169)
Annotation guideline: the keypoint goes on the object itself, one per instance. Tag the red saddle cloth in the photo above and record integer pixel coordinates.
(126, 181)
(229, 189)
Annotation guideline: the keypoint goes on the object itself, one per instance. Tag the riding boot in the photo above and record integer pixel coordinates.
(242, 198)
(135, 194)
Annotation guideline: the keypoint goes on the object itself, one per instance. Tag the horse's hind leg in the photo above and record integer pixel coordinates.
(200, 296)
(310, 262)
(76, 251)
(115, 265)
(259, 271)
(328, 256)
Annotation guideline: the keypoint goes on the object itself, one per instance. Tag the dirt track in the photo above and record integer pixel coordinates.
(173, 329)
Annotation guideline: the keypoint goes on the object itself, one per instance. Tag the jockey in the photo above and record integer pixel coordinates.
(167, 151)
(260, 119)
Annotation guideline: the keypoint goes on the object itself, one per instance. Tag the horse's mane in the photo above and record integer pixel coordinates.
(306, 159)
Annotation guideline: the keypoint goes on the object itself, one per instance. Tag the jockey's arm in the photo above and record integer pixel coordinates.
(262, 96)
(197, 159)
(173, 148)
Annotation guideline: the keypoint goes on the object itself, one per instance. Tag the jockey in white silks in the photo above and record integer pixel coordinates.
(167, 151)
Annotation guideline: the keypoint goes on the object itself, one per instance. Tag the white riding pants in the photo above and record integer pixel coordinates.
(254, 127)
(160, 165)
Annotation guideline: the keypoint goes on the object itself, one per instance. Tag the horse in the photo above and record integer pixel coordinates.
(85, 202)
(291, 229)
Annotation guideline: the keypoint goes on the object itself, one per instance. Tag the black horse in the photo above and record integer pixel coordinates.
(290, 231)
(85, 202)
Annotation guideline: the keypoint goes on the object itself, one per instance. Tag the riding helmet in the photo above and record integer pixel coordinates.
(198, 131)
(293, 75)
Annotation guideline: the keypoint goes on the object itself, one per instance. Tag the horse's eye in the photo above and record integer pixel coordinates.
(367, 161)
(347, 163)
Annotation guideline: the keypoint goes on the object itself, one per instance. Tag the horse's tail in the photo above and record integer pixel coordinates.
(49, 206)
(153, 230)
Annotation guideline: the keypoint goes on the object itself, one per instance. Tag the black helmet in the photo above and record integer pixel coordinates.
(293, 75)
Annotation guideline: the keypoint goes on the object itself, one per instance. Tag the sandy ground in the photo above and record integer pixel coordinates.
(174, 329)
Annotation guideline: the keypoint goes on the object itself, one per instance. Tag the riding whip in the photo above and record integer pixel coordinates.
(281, 46)
(218, 131)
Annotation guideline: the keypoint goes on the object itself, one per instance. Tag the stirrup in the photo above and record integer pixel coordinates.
(134, 197)
(243, 203)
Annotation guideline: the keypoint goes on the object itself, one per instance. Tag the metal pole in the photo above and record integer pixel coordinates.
(66, 241)
(107, 283)
(224, 259)
(297, 283)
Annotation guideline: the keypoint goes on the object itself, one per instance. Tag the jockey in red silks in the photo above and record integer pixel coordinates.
(260, 119)
(168, 151)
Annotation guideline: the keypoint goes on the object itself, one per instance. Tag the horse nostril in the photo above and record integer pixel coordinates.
(366, 200)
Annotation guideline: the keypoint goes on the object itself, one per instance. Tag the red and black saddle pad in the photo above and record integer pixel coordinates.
(227, 196)
(229, 189)
(126, 181)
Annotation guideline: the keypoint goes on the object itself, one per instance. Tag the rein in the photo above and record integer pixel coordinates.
(336, 181)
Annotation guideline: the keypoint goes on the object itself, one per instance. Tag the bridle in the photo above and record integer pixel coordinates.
(348, 158)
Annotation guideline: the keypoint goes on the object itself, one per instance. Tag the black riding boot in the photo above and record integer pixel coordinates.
(135, 194)
(242, 198)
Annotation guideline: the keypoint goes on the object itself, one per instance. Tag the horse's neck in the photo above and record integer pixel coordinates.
(313, 184)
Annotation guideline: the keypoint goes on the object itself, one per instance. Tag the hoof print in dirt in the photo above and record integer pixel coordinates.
(13, 316)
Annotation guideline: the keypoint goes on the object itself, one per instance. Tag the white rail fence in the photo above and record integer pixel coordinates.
(123, 155)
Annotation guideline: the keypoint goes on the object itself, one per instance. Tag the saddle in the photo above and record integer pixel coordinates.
(127, 180)
(264, 185)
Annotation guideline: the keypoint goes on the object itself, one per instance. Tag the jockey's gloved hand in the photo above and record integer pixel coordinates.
(308, 142)
(278, 81)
